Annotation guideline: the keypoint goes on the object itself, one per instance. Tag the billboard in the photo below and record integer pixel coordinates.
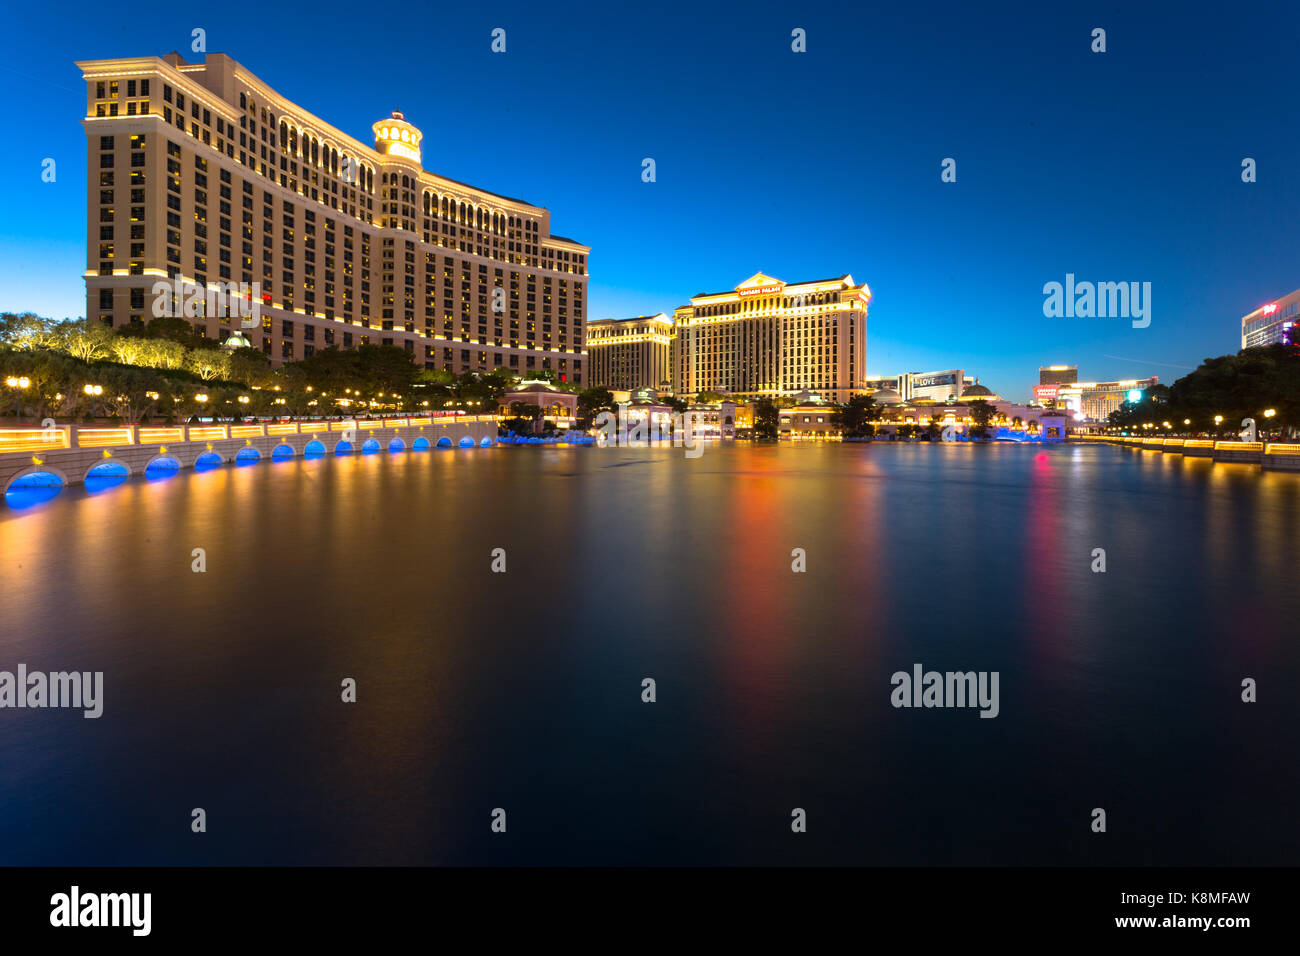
(933, 379)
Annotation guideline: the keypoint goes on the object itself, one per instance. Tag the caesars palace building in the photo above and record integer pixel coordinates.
(762, 339)
(200, 175)
(766, 338)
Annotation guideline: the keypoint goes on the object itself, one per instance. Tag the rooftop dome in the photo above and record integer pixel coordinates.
(237, 341)
(397, 137)
(978, 391)
(886, 396)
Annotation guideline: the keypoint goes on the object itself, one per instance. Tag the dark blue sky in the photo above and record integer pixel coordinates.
(1122, 166)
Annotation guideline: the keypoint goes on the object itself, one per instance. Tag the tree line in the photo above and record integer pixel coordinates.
(1231, 388)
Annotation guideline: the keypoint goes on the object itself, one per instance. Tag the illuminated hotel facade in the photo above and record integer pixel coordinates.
(627, 354)
(766, 338)
(1274, 323)
(1092, 401)
(202, 172)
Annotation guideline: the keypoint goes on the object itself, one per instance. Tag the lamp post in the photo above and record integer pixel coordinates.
(92, 391)
(1268, 414)
(1218, 426)
(19, 383)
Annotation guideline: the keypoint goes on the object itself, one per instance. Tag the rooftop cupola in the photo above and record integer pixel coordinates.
(398, 138)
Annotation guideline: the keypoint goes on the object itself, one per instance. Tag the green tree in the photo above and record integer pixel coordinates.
(387, 370)
(853, 418)
(171, 328)
(26, 330)
(163, 353)
(250, 367)
(208, 364)
(767, 420)
(591, 402)
(981, 413)
(88, 341)
(129, 349)
(129, 392)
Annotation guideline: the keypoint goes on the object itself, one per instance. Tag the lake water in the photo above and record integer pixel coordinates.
(522, 690)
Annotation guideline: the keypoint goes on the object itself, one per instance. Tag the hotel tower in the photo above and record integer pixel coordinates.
(627, 354)
(766, 338)
(202, 173)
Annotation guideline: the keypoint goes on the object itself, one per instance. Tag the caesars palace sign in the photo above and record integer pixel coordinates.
(760, 289)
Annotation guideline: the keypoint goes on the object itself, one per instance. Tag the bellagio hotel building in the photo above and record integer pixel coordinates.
(204, 172)
(766, 338)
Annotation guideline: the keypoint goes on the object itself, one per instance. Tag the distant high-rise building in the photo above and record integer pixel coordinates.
(1058, 374)
(626, 354)
(1093, 401)
(1274, 323)
(203, 176)
(766, 338)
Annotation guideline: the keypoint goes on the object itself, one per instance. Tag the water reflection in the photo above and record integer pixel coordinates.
(478, 689)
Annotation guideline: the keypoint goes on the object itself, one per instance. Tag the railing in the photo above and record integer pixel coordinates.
(156, 436)
(208, 432)
(1238, 446)
(28, 440)
(104, 437)
(33, 439)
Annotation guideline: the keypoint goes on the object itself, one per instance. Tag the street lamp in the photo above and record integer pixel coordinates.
(18, 384)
